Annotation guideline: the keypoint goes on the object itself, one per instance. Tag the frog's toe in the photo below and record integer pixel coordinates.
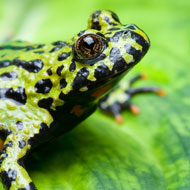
(138, 77)
(147, 89)
(161, 92)
(134, 109)
(119, 118)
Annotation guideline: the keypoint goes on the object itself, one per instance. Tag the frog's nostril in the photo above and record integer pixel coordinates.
(126, 34)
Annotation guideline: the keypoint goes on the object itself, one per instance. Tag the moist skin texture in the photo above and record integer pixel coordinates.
(46, 90)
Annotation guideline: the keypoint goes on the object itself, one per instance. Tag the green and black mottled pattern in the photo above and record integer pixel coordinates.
(42, 85)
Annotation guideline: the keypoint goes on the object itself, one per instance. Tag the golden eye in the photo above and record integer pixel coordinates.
(89, 46)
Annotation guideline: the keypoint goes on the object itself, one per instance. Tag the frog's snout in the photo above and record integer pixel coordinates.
(140, 41)
(135, 44)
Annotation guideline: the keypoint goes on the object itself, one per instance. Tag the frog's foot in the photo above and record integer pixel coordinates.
(120, 98)
(12, 171)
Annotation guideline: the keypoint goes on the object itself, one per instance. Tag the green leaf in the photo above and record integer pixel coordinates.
(147, 152)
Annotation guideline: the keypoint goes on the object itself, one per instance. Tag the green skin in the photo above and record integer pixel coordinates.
(42, 86)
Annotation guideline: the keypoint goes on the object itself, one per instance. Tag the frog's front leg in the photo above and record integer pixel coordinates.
(120, 98)
(13, 174)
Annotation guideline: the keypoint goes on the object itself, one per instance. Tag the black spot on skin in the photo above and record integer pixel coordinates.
(8, 76)
(5, 179)
(116, 58)
(45, 103)
(8, 177)
(107, 19)
(61, 43)
(115, 17)
(8, 47)
(132, 51)
(29, 187)
(49, 72)
(81, 78)
(4, 133)
(63, 83)
(12, 174)
(3, 156)
(81, 33)
(43, 125)
(33, 66)
(140, 40)
(20, 162)
(22, 144)
(72, 67)
(59, 70)
(39, 52)
(100, 34)
(55, 49)
(116, 36)
(63, 56)
(108, 33)
(112, 29)
(62, 96)
(5, 63)
(40, 46)
(30, 48)
(19, 125)
(131, 27)
(3, 153)
(101, 71)
(18, 96)
(43, 86)
(95, 21)
(8, 144)
(42, 133)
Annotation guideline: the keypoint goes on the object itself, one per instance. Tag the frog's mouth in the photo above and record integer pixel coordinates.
(103, 76)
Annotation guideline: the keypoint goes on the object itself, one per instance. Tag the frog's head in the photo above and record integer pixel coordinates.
(104, 52)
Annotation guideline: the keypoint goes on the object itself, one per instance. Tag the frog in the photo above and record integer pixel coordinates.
(48, 89)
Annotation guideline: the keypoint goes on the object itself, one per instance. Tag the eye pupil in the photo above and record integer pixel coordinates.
(88, 42)
(88, 46)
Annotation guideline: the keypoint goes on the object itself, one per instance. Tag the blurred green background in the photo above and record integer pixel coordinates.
(147, 152)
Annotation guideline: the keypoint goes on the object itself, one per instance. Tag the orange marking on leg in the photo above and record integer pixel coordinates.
(97, 93)
(144, 76)
(161, 92)
(119, 119)
(77, 110)
(135, 110)
(1, 145)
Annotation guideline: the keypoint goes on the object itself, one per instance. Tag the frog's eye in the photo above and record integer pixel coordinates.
(89, 46)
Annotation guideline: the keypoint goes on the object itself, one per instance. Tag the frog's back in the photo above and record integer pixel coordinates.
(11, 50)
(15, 56)
(20, 63)
(25, 82)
